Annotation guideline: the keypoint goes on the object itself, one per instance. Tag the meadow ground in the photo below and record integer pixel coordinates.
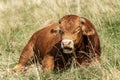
(19, 19)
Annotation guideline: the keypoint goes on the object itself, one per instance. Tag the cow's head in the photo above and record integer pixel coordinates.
(72, 28)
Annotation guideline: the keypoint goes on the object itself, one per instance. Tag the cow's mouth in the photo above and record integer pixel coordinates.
(67, 50)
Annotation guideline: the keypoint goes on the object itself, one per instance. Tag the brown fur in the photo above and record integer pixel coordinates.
(45, 44)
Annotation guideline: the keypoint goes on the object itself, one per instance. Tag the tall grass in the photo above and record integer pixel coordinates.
(19, 19)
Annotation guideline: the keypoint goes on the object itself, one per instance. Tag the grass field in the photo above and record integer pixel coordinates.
(19, 19)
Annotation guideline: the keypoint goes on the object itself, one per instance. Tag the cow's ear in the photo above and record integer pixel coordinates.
(53, 31)
(59, 21)
(87, 27)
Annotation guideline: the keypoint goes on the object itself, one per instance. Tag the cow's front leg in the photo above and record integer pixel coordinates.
(26, 55)
(48, 63)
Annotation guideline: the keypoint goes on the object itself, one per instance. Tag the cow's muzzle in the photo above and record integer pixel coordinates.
(67, 46)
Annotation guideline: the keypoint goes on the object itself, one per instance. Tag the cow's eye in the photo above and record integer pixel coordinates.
(76, 31)
(61, 32)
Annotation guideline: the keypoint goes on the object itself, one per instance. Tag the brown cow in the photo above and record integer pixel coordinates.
(58, 44)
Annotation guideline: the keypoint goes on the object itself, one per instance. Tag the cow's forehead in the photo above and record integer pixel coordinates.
(70, 19)
(70, 24)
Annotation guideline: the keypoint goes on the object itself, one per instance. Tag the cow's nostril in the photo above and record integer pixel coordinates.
(69, 42)
(63, 43)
